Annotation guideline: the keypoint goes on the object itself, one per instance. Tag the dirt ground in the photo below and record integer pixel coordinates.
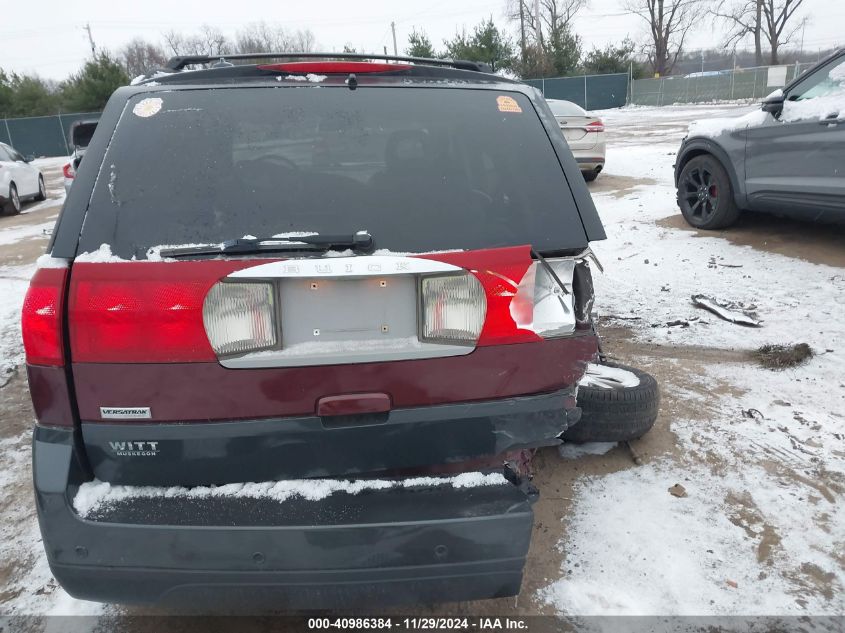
(676, 368)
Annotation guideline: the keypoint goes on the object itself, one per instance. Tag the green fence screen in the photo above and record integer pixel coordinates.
(591, 92)
(41, 135)
(726, 85)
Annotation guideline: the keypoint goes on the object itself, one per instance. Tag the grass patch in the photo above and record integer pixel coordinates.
(777, 357)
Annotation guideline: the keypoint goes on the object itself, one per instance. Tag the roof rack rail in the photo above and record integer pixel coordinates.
(179, 62)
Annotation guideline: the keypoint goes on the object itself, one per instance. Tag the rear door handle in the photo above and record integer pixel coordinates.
(831, 121)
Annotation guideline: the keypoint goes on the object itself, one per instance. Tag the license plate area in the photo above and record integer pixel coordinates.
(324, 312)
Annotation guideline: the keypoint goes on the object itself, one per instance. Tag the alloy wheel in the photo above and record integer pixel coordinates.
(700, 193)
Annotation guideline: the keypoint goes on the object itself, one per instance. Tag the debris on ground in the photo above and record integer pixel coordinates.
(752, 414)
(777, 357)
(678, 491)
(732, 583)
(729, 311)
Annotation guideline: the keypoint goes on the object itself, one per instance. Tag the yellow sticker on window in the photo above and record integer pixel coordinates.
(507, 104)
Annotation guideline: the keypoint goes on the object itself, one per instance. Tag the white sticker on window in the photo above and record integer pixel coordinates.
(147, 107)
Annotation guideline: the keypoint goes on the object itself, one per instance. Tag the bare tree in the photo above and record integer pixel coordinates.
(554, 16)
(777, 21)
(669, 23)
(547, 42)
(209, 41)
(261, 37)
(743, 17)
(139, 57)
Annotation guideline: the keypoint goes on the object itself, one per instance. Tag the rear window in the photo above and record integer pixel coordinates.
(81, 133)
(420, 169)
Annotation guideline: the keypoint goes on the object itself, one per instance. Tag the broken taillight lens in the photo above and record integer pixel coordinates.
(240, 317)
(541, 305)
(453, 308)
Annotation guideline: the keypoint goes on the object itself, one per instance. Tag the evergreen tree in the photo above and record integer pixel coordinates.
(419, 45)
(89, 90)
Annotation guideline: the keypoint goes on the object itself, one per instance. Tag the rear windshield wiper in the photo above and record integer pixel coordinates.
(359, 242)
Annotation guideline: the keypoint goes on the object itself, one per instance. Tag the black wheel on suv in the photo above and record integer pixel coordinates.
(590, 176)
(705, 195)
(618, 403)
(42, 189)
(13, 201)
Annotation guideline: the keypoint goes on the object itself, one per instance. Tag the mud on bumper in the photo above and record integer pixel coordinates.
(397, 545)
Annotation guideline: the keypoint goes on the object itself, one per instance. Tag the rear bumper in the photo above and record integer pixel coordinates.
(312, 446)
(399, 545)
(589, 163)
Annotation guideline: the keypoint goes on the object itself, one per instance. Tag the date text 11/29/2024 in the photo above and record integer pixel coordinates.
(419, 624)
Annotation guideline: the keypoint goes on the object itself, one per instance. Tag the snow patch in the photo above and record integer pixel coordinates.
(18, 233)
(309, 77)
(102, 255)
(715, 127)
(48, 261)
(821, 107)
(568, 450)
(95, 495)
(296, 234)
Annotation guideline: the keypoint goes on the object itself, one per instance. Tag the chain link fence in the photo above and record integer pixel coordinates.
(721, 85)
(41, 135)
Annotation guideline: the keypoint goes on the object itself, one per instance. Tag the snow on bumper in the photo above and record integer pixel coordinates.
(387, 543)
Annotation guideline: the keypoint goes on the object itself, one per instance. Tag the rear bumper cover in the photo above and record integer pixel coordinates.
(313, 446)
(589, 162)
(399, 545)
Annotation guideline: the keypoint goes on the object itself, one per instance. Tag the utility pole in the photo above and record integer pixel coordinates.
(87, 27)
(522, 28)
(537, 29)
(803, 27)
(393, 28)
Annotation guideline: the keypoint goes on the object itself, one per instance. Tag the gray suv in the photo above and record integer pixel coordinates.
(787, 158)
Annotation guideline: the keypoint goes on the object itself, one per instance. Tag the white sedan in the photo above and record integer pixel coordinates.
(18, 181)
(584, 132)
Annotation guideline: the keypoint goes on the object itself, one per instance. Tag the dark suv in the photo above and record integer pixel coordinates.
(299, 328)
(787, 158)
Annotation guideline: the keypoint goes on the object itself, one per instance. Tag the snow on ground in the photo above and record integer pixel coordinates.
(15, 234)
(757, 533)
(14, 280)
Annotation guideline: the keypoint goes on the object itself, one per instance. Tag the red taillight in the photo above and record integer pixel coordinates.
(499, 271)
(141, 312)
(334, 68)
(595, 126)
(41, 317)
(68, 171)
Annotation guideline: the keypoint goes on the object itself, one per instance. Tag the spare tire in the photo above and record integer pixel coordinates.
(618, 403)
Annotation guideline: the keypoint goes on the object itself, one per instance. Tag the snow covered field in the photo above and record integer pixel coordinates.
(762, 530)
(760, 454)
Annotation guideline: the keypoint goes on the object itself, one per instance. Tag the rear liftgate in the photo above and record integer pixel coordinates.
(211, 372)
(197, 373)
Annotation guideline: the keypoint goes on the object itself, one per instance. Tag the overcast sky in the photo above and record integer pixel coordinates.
(47, 37)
